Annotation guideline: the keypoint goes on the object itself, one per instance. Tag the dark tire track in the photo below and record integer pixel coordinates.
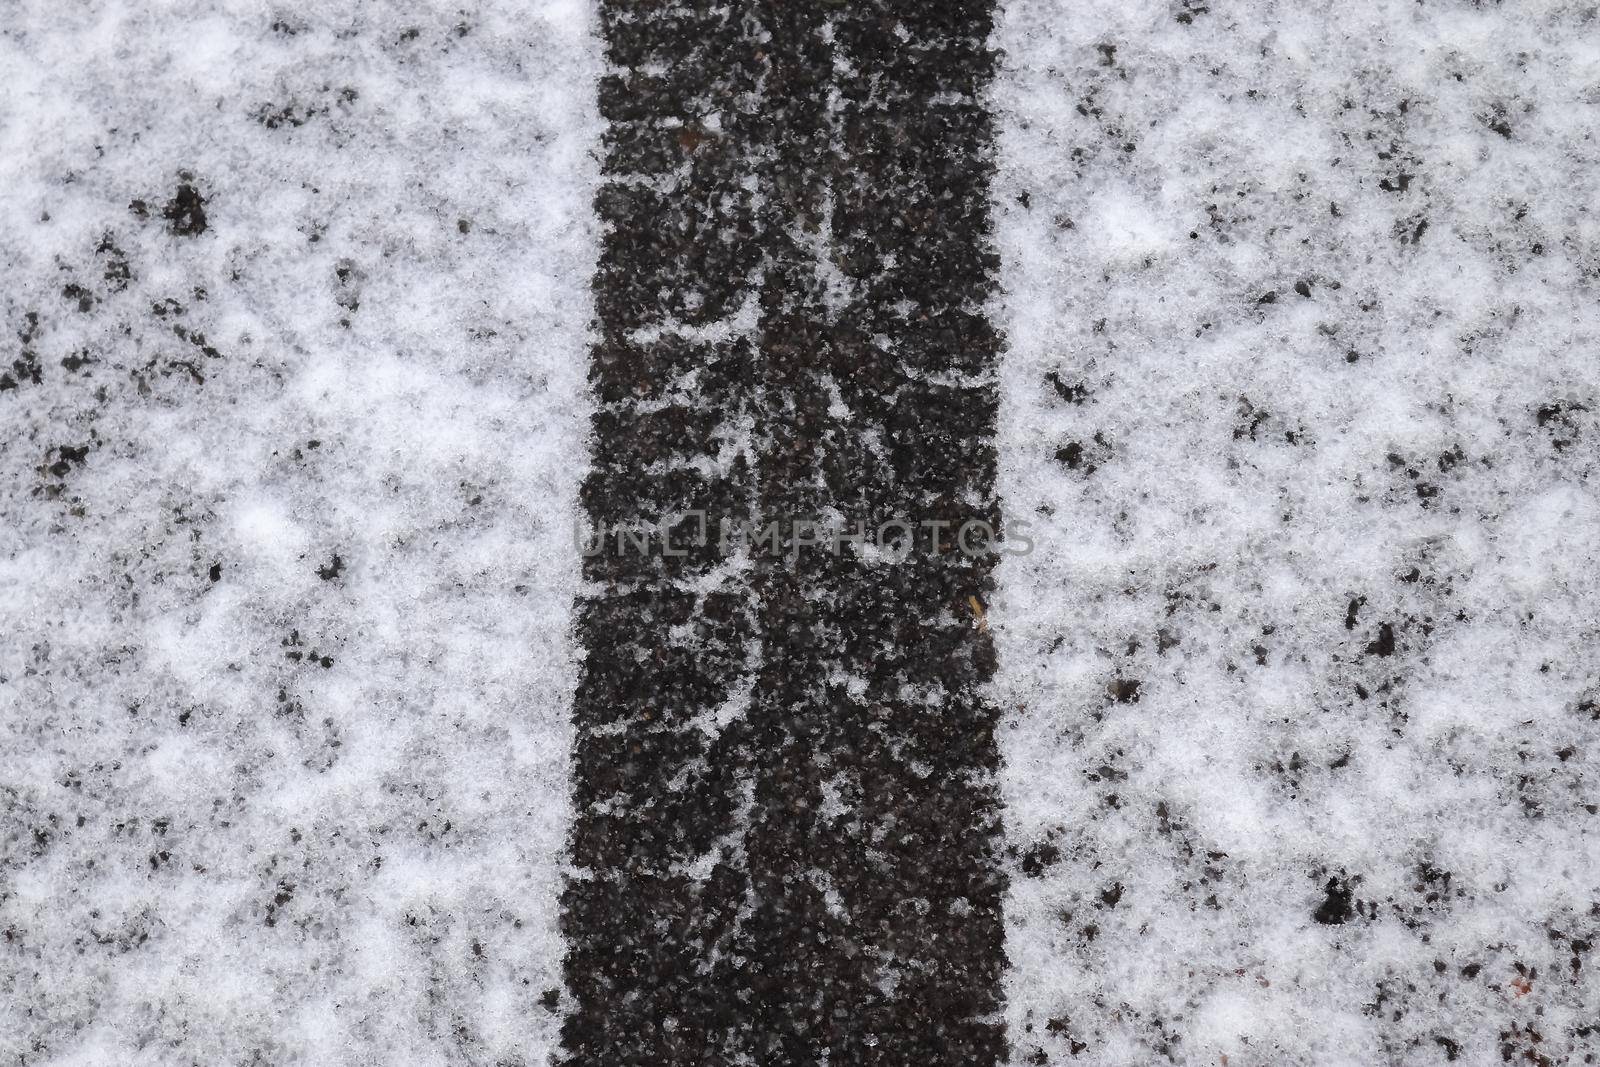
(785, 833)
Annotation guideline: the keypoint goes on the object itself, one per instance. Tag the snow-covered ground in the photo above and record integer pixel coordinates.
(1303, 400)
(292, 405)
(1302, 403)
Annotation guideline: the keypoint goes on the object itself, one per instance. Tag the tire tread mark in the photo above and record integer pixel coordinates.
(791, 320)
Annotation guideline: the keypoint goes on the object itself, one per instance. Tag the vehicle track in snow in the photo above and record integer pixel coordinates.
(786, 827)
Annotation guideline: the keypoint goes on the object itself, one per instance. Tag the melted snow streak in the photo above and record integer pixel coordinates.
(785, 831)
(1301, 388)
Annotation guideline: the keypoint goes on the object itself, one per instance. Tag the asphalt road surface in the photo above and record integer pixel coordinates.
(786, 823)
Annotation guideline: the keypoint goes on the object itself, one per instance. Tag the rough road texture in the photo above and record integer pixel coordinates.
(785, 823)
(1303, 310)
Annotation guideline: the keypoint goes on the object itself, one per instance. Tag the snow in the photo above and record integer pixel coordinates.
(288, 557)
(1298, 416)
(1302, 403)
